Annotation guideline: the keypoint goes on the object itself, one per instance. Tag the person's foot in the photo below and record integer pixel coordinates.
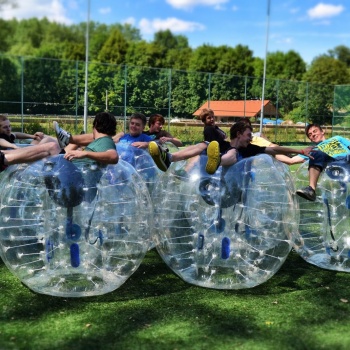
(213, 153)
(307, 193)
(160, 157)
(62, 135)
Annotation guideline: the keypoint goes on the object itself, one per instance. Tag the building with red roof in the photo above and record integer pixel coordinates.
(231, 111)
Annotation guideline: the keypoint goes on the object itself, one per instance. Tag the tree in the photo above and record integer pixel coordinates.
(114, 49)
(342, 53)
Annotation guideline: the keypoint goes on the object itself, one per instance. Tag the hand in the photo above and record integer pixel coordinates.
(164, 139)
(76, 154)
(38, 136)
(306, 151)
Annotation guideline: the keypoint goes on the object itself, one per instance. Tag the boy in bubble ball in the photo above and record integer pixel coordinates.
(225, 154)
(326, 151)
(101, 149)
(8, 137)
(135, 137)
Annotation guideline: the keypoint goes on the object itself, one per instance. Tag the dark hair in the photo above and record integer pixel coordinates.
(239, 127)
(155, 118)
(205, 113)
(140, 116)
(105, 123)
(308, 127)
(245, 120)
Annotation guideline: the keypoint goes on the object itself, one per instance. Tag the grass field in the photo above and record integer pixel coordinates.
(300, 307)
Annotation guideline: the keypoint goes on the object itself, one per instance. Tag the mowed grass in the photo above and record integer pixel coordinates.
(300, 307)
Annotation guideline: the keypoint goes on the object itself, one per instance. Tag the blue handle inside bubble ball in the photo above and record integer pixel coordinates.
(225, 248)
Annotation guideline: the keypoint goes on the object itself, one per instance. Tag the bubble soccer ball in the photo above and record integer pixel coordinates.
(143, 163)
(230, 230)
(73, 229)
(324, 229)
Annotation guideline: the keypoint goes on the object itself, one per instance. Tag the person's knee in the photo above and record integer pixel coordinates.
(53, 148)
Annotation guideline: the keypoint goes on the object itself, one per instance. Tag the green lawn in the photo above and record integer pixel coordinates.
(301, 307)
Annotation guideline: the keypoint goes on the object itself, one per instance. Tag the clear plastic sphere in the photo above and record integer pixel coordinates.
(230, 230)
(73, 229)
(141, 160)
(324, 231)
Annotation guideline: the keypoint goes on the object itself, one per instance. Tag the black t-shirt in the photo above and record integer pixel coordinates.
(10, 139)
(214, 133)
(250, 151)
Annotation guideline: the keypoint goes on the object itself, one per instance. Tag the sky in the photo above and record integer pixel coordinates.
(309, 27)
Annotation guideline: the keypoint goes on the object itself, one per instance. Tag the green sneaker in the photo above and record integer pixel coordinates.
(213, 153)
(159, 155)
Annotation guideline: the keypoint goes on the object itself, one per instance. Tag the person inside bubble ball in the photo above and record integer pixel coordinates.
(97, 146)
(102, 149)
(229, 153)
(135, 137)
(156, 123)
(211, 132)
(326, 151)
(259, 139)
(8, 137)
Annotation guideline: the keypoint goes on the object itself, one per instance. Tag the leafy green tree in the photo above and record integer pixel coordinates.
(327, 70)
(342, 53)
(114, 48)
(10, 84)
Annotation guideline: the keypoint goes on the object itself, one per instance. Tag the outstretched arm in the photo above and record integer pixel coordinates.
(273, 151)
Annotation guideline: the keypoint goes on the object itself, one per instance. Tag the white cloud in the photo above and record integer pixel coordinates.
(53, 10)
(173, 24)
(129, 20)
(104, 10)
(188, 4)
(322, 10)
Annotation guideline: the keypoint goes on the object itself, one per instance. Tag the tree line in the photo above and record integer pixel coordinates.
(44, 61)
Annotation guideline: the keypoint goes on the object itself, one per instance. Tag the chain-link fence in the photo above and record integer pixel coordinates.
(32, 86)
(341, 111)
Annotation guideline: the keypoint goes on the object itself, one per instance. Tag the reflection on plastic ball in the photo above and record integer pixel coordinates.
(324, 230)
(231, 230)
(73, 229)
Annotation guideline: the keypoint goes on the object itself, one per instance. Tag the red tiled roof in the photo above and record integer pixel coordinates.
(240, 108)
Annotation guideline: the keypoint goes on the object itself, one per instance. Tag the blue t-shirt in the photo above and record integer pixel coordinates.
(335, 147)
(127, 138)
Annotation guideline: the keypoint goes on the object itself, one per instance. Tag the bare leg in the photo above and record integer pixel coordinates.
(81, 140)
(31, 153)
(189, 152)
(314, 174)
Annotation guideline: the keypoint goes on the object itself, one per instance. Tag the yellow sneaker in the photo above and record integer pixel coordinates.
(213, 153)
(159, 155)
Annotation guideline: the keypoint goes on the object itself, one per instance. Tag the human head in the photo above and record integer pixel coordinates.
(137, 124)
(239, 128)
(5, 125)
(105, 123)
(207, 116)
(315, 133)
(156, 122)
(246, 121)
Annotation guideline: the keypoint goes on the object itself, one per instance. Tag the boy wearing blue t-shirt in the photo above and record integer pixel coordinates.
(326, 151)
(136, 137)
